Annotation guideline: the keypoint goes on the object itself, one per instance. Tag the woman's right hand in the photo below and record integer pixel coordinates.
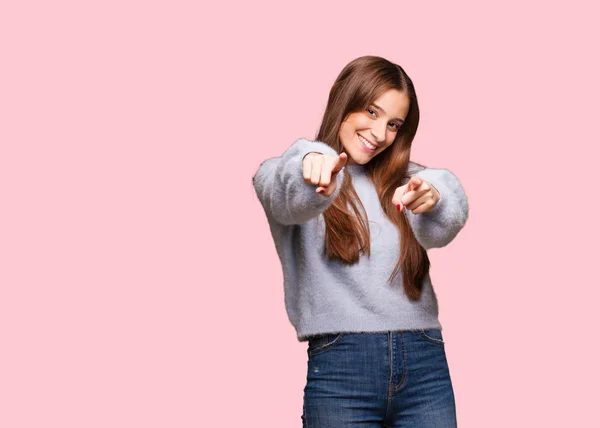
(322, 170)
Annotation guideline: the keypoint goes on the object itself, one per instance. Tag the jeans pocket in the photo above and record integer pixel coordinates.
(322, 342)
(432, 335)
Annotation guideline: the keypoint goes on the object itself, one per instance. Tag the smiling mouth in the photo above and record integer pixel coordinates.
(366, 142)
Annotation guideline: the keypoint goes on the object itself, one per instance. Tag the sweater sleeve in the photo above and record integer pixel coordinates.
(438, 227)
(282, 191)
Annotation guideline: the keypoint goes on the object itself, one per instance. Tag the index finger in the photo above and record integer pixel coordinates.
(340, 162)
(413, 184)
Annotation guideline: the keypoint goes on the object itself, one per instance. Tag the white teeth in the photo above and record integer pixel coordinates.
(366, 143)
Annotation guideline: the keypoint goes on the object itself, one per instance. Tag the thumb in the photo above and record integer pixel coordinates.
(414, 183)
(340, 162)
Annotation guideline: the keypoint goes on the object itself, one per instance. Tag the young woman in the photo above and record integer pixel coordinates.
(352, 217)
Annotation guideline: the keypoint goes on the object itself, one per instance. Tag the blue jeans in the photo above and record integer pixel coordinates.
(384, 379)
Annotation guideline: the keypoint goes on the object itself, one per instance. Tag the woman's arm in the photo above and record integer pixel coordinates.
(438, 227)
(282, 191)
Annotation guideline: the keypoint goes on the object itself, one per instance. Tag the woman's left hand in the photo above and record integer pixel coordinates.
(417, 195)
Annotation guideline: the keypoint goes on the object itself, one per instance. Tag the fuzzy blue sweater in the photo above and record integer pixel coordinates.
(328, 296)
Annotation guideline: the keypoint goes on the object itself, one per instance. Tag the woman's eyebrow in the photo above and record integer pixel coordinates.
(401, 120)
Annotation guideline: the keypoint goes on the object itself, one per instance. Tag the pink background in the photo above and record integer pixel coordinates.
(139, 284)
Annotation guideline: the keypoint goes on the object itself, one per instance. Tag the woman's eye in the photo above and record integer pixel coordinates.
(373, 112)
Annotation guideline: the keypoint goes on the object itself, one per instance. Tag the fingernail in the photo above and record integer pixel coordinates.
(399, 206)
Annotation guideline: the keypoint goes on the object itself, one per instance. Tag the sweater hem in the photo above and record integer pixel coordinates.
(303, 334)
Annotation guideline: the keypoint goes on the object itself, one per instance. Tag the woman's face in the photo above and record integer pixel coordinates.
(378, 124)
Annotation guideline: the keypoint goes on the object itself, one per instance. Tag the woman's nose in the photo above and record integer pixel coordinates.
(378, 132)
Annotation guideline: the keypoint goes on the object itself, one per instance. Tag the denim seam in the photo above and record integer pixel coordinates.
(390, 383)
(402, 381)
(304, 422)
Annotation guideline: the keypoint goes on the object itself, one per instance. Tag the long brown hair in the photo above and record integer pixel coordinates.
(347, 233)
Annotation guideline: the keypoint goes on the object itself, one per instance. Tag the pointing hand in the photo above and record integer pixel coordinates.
(322, 170)
(417, 195)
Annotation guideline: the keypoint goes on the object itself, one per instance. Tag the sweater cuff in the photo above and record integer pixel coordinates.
(437, 227)
(282, 190)
(304, 147)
